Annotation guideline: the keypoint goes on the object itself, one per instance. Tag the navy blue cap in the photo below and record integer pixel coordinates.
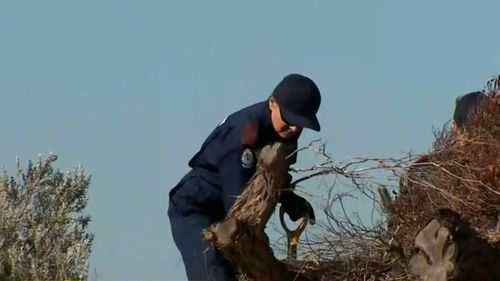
(465, 105)
(299, 99)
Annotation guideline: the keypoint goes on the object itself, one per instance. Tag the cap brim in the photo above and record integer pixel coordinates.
(301, 121)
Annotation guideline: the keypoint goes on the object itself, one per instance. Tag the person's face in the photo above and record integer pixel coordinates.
(281, 126)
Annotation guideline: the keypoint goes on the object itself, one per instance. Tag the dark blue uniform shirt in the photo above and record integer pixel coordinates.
(227, 158)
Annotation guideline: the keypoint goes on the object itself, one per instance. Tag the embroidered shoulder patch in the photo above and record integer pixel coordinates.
(247, 158)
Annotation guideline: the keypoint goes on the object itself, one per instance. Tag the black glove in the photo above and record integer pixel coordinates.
(297, 207)
(288, 182)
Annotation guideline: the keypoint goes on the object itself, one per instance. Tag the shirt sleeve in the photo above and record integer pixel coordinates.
(236, 168)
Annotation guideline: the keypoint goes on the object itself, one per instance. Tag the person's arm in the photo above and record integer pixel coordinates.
(236, 169)
(238, 162)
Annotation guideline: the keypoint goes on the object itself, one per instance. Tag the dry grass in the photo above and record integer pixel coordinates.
(461, 174)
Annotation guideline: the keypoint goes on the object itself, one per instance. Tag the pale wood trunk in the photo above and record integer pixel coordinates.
(446, 248)
(240, 237)
(449, 249)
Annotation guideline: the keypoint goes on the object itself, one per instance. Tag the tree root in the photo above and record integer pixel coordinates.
(449, 249)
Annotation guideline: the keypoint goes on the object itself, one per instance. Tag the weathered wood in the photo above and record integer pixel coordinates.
(387, 204)
(449, 249)
(436, 261)
(241, 237)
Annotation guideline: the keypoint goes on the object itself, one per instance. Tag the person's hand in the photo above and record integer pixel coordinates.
(288, 186)
(297, 207)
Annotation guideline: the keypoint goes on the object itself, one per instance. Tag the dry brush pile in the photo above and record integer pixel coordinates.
(458, 183)
(462, 174)
(453, 193)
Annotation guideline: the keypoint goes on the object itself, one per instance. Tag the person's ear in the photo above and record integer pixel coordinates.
(272, 103)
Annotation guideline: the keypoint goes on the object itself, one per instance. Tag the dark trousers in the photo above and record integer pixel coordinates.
(188, 218)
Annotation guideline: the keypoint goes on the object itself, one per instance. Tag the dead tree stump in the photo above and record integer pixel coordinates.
(449, 249)
(241, 237)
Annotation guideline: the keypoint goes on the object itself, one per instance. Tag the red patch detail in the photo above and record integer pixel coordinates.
(422, 159)
(250, 133)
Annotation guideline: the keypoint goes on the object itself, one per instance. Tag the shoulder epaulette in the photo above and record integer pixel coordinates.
(250, 134)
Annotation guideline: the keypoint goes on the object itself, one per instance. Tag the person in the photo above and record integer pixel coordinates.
(464, 106)
(224, 164)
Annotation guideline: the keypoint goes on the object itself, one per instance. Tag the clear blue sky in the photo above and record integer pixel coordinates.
(129, 89)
